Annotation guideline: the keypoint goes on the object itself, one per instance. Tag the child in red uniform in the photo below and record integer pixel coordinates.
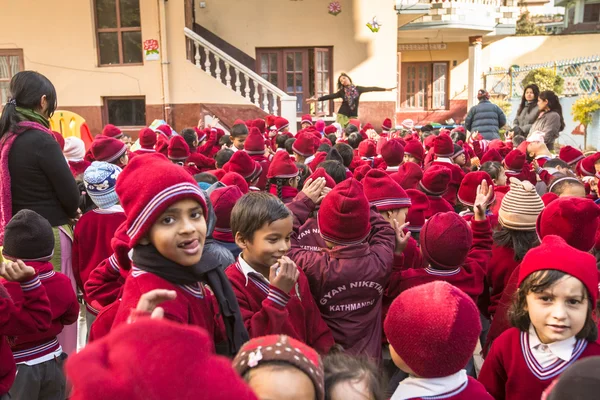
(414, 152)
(468, 192)
(283, 177)
(304, 146)
(444, 153)
(39, 355)
(244, 165)
(166, 227)
(74, 152)
(223, 200)
(110, 150)
(434, 184)
(255, 147)
(147, 139)
(408, 176)
(433, 330)
(553, 321)
(351, 378)
(348, 279)
(393, 155)
(273, 293)
(96, 228)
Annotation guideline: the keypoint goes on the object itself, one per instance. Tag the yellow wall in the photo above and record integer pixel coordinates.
(369, 58)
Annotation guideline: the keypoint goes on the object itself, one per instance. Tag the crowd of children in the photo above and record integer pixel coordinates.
(336, 263)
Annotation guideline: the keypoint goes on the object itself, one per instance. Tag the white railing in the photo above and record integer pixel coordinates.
(241, 79)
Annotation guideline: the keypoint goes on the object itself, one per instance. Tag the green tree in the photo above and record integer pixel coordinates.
(583, 110)
(545, 79)
(526, 27)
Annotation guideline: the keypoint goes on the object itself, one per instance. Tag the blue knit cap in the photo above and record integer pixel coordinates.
(100, 179)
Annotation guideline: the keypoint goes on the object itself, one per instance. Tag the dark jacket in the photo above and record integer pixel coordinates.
(485, 118)
(345, 108)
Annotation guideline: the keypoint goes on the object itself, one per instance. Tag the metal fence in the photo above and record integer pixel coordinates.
(581, 76)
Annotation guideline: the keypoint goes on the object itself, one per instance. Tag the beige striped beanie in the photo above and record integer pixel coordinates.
(520, 206)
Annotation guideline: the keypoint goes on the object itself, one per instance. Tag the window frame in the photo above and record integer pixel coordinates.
(119, 31)
(9, 53)
(429, 93)
(584, 13)
(105, 118)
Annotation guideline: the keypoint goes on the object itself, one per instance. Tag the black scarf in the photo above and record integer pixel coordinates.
(209, 271)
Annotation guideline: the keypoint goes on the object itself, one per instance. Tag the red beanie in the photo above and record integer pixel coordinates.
(467, 193)
(587, 165)
(110, 367)
(165, 130)
(329, 129)
(429, 141)
(281, 123)
(144, 200)
(304, 144)
(383, 192)
(361, 172)
(223, 200)
(570, 155)
(241, 163)
(367, 148)
(255, 142)
(344, 215)
(572, 218)
(306, 118)
(446, 240)
(415, 148)
(318, 159)
(491, 155)
(549, 198)
(162, 145)
(500, 146)
(435, 180)
(235, 179)
(201, 134)
(321, 173)
(147, 138)
(355, 122)
(282, 166)
(515, 160)
(219, 173)
(416, 213)
(443, 146)
(434, 328)
(392, 152)
(555, 254)
(178, 149)
(387, 124)
(107, 149)
(324, 140)
(260, 124)
(408, 176)
(59, 139)
(112, 131)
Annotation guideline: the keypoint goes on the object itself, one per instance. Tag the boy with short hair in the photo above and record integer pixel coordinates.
(239, 133)
(273, 293)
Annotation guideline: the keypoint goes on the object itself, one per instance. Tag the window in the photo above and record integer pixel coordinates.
(591, 13)
(11, 62)
(300, 72)
(125, 111)
(118, 26)
(424, 86)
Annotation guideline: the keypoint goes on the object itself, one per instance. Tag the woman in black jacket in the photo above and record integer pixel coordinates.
(350, 96)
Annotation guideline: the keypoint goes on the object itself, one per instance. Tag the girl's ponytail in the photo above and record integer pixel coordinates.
(279, 188)
(9, 117)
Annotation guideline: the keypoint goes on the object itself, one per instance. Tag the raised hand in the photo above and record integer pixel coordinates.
(401, 237)
(484, 196)
(16, 271)
(284, 274)
(313, 189)
(149, 302)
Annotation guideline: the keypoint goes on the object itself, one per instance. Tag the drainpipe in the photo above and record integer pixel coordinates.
(164, 60)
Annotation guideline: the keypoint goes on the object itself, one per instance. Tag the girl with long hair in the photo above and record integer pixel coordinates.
(528, 110)
(550, 120)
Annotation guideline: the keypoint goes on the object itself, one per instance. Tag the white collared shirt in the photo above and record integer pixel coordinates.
(444, 160)
(396, 168)
(547, 354)
(309, 159)
(110, 210)
(413, 387)
(247, 269)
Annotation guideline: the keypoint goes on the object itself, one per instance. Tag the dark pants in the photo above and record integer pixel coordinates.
(45, 381)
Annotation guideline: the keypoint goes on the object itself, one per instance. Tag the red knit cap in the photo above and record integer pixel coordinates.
(387, 124)
(500, 146)
(306, 118)
(218, 173)
(304, 144)
(570, 155)
(282, 349)
(429, 141)
(162, 145)
(223, 200)
(355, 122)
(241, 163)
(259, 124)
(434, 328)
(178, 149)
(144, 200)
(446, 240)
(491, 155)
(344, 215)
(112, 131)
(107, 149)
(165, 130)
(555, 254)
(515, 160)
(318, 159)
(367, 148)
(147, 138)
(435, 180)
(587, 165)
(549, 198)
(361, 172)
(573, 219)
(416, 213)
(408, 176)
(415, 148)
(383, 192)
(392, 152)
(255, 142)
(324, 140)
(281, 123)
(329, 129)
(443, 146)
(239, 121)
(110, 367)
(467, 193)
(321, 173)
(282, 166)
(235, 179)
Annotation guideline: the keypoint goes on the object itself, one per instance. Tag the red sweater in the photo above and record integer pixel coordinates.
(64, 308)
(437, 205)
(264, 163)
(457, 176)
(511, 372)
(470, 390)
(194, 305)
(347, 282)
(267, 310)
(469, 278)
(29, 313)
(105, 284)
(501, 265)
(309, 234)
(211, 147)
(91, 243)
